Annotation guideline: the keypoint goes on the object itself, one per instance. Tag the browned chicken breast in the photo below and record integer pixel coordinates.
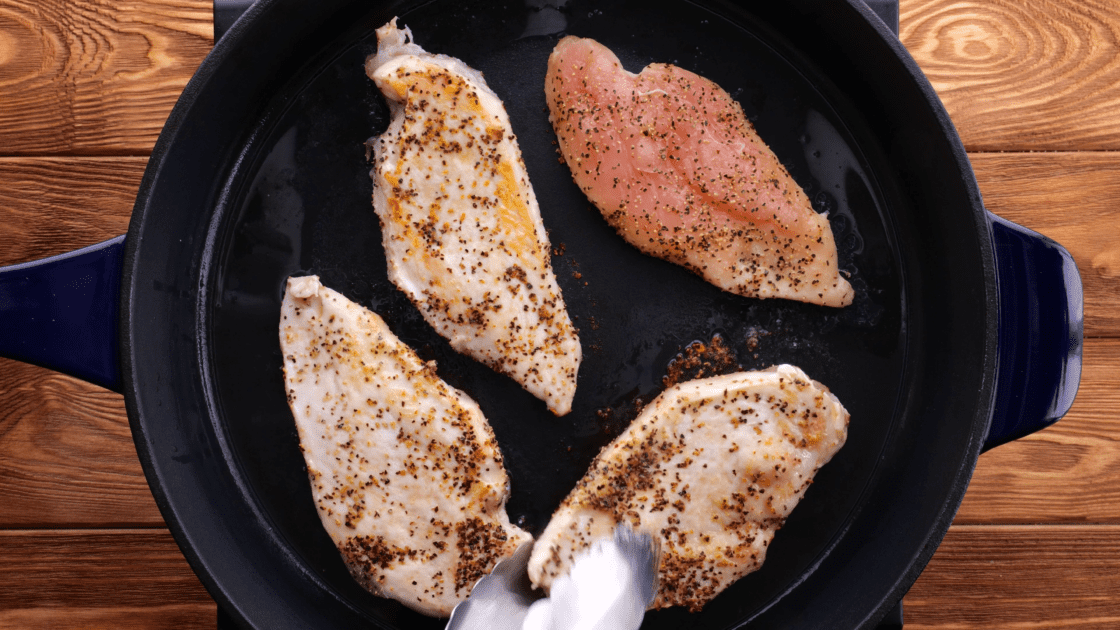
(405, 472)
(460, 223)
(710, 469)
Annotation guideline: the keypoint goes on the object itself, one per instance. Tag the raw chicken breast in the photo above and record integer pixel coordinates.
(460, 223)
(676, 168)
(710, 469)
(405, 472)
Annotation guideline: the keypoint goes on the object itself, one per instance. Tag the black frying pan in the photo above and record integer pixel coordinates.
(261, 174)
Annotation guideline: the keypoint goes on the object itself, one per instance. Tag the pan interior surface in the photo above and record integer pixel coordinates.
(294, 199)
(306, 209)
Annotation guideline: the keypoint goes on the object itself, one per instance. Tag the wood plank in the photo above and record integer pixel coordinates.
(100, 579)
(66, 452)
(1069, 197)
(67, 458)
(95, 76)
(1067, 473)
(200, 616)
(53, 205)
(1036, 578)
(99, 77)
(1022, 75)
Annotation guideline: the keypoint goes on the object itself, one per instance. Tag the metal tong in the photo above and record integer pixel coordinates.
(609, 587)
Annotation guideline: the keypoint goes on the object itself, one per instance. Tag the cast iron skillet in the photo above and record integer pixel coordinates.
(261, 173)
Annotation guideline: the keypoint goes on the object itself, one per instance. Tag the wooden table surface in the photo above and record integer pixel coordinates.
(85, 85)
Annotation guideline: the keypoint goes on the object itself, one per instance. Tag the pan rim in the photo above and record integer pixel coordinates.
(131, 376)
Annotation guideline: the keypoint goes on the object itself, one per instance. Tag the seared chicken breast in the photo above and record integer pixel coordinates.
(460, 223)
(673, 164)
(404, 469)
(710, 469)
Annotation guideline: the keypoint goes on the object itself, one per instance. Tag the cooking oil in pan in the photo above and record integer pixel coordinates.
(644, 323)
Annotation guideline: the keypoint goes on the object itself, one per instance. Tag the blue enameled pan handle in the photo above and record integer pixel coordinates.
(62, 312)
(1040, 332)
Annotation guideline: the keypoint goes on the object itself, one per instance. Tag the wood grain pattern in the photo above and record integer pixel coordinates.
(1026, 577)
(1020, 75)
(1067, 473)
(95, 76)
(53, 205)
(980, 577)
(99, 77)
(100, 579)
(1071, 198)
(149, 615)
(66, 454)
